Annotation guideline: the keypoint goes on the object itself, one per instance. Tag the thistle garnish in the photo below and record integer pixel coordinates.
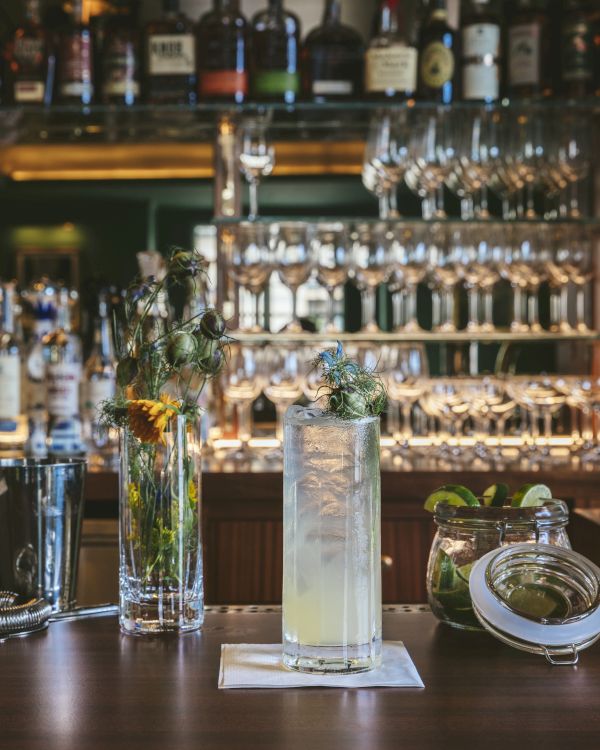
(351, 391)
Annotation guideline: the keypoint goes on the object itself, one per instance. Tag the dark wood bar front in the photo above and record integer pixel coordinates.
(83, 685)
(242, 520)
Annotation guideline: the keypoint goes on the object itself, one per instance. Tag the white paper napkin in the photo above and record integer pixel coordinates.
(258, 665)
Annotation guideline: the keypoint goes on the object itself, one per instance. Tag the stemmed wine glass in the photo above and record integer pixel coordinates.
(284, 385)
(372, 262)
(256, 156)
(243, 380)
(251, 263)
(407, 372)
(293, 253)
(333, 259)
(409, 254)
(385, 159)
(445, 269)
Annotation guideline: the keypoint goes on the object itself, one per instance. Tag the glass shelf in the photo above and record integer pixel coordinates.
(425, 337)
(339, 121)
(224, 221)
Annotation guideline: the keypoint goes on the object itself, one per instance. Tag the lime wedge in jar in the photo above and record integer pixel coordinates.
(495, 495)
(453, 494)
(531, 496)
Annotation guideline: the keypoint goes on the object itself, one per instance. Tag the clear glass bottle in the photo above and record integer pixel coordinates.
(391, 59)
(28, 77)
(223, 53)
(481, 50)
(43, 306)
(437, 56)
(75, 60)
(63, 358)
(465, 534)
(170, 58)
(99, 385)
(276, 54)
(13, 430)
(333, 59)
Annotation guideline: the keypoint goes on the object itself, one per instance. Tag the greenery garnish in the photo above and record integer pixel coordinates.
(351, 391)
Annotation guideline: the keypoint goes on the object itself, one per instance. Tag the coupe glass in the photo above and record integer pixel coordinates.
(256, 157)
(372, 262)
(293, 254)
(333, 260)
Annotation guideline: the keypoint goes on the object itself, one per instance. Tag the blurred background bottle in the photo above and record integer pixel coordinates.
(529, 49)
(438, 63)
(481, 50)
(13, 426)
(276, 54)
(75, 60)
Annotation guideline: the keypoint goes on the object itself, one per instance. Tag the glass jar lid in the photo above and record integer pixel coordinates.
(538, 598)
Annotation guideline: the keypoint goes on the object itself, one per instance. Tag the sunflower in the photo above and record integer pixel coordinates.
(149, 419)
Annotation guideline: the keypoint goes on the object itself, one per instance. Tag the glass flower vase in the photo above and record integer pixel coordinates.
(160, 576)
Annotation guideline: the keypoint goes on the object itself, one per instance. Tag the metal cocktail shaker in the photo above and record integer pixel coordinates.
(41, 511)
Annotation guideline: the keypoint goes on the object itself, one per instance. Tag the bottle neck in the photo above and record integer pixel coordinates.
(63, 313)
(103, 340)
(333, 12)
(276, 6)
(387, 20)
(171, 7)
(32, 11)
(227, 6)
(77, 11)
(438, 11)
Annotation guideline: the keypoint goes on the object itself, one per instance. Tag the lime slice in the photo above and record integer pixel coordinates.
(538, 601)
(464, 572)
(443, 572)
(531, 495)
(453, 494)
(457, 599)
(495, 495)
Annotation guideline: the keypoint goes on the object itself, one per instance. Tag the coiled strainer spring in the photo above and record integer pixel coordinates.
(22, 618)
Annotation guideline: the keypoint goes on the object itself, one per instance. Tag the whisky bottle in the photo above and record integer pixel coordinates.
(275, 54)
(75, 60)
(437, 56)
(170, 58)
(578, 55)
(28, 64)
(481, 47)
(391, 59)
(223, 53)
(120, 61)
(333, 59)
(529, 47)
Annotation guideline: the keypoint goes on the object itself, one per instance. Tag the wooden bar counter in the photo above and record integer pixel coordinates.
(84, 686)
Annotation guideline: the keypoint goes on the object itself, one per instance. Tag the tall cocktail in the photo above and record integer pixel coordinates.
(332, 542)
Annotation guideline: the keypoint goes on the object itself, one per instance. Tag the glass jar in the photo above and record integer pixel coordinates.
(466, 534)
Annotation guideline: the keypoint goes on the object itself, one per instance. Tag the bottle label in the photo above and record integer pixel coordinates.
(481, 82)
(10, 386)
(481, 40)
(120, 73)
(96, 391)
(223, 83)
(524, 55)
(276, 82)
(332, 88)
(172, 54)
(63, 388)
(29, 91)
(76, 67)
(437, 65)
(577, 52)
(391, 68)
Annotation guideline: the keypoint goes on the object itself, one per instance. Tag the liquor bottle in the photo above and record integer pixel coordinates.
(333, 59)
(44, 312)
(577, 50)
(480, 35)
(99, 385)
(437, 56)
(120, 60)
(529, 65)
(13, 427)
(276, 52)
(223, 53)
(170, 58)
(29, 63)
(75, 60)
(391, 59)
(62, 354)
